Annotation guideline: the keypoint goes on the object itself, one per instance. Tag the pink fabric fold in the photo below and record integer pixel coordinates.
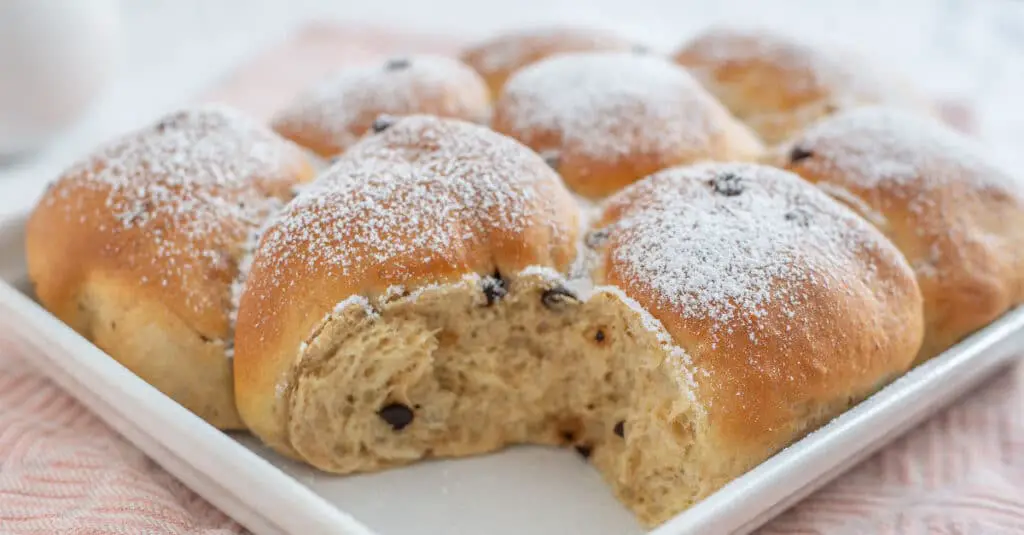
(62, 470)
(959, 473)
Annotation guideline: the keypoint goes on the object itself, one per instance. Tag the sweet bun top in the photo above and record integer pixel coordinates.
(782, 299)
(167, 209)
(605, 120)
(778, 84)
(333, 114)
(426, 201)
(497, 58)
(957, 216)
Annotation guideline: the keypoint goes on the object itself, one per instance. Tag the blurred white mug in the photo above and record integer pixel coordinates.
(55, 57)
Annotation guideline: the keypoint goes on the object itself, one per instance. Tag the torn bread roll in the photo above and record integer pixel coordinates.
(432, 296)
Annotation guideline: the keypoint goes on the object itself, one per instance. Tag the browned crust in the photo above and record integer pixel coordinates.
(276, 315)
(779, 85)
(497, 58)
(766, 381)
(88, 265)
(962, 237)
(460, 94)
(717, 136)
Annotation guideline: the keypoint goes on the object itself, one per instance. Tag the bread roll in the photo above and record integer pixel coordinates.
(137, 247)
(429, 216)
(500, 56)
(419, 302)
(336, 112)
(605, 120)
(779, 84)
(953, 212)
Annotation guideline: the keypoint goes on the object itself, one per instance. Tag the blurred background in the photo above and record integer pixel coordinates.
(99, 67)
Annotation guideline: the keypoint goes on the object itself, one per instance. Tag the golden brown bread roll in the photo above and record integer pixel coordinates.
(784, 309)
(956, 215)
(418, 301)
(336, 112)
(426, 202)
(137, 247)
(605, 120)
(778, 84)
(498, 57)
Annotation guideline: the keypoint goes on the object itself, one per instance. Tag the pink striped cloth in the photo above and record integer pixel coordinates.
(64, 471)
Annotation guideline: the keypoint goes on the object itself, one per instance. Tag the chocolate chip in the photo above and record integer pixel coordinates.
(350, 399)
(397, 64)
(584, 450)
(552, 159)
(599, 337)
(163, 125)
(799, 216)
(596, 238)
(396, 415)
(382, 123)
(494, 288)
(799, 153)
(728, 184)
(620, 429)
(169, 121)
(558, 298)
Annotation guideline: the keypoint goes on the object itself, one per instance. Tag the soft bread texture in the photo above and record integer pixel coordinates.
(953, 212)
(138, 246)
(499, 57)
(333, 114)
(779, 85)
(427, 201)
(421, 299)
(606, 120)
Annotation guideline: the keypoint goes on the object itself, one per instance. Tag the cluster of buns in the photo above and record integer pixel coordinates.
(676, 265)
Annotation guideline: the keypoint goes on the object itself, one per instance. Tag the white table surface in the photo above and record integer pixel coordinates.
(174, 48)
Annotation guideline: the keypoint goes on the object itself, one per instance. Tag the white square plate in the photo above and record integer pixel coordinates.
(535, 490)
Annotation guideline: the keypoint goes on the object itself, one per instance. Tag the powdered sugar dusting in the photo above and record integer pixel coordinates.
(606, 105)
(804, 68)
(343, 106)
(355, 300)
(888, 156)
(178, 198)
(729, 242)
(876, 147)
(518, 48)
(424, 192)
